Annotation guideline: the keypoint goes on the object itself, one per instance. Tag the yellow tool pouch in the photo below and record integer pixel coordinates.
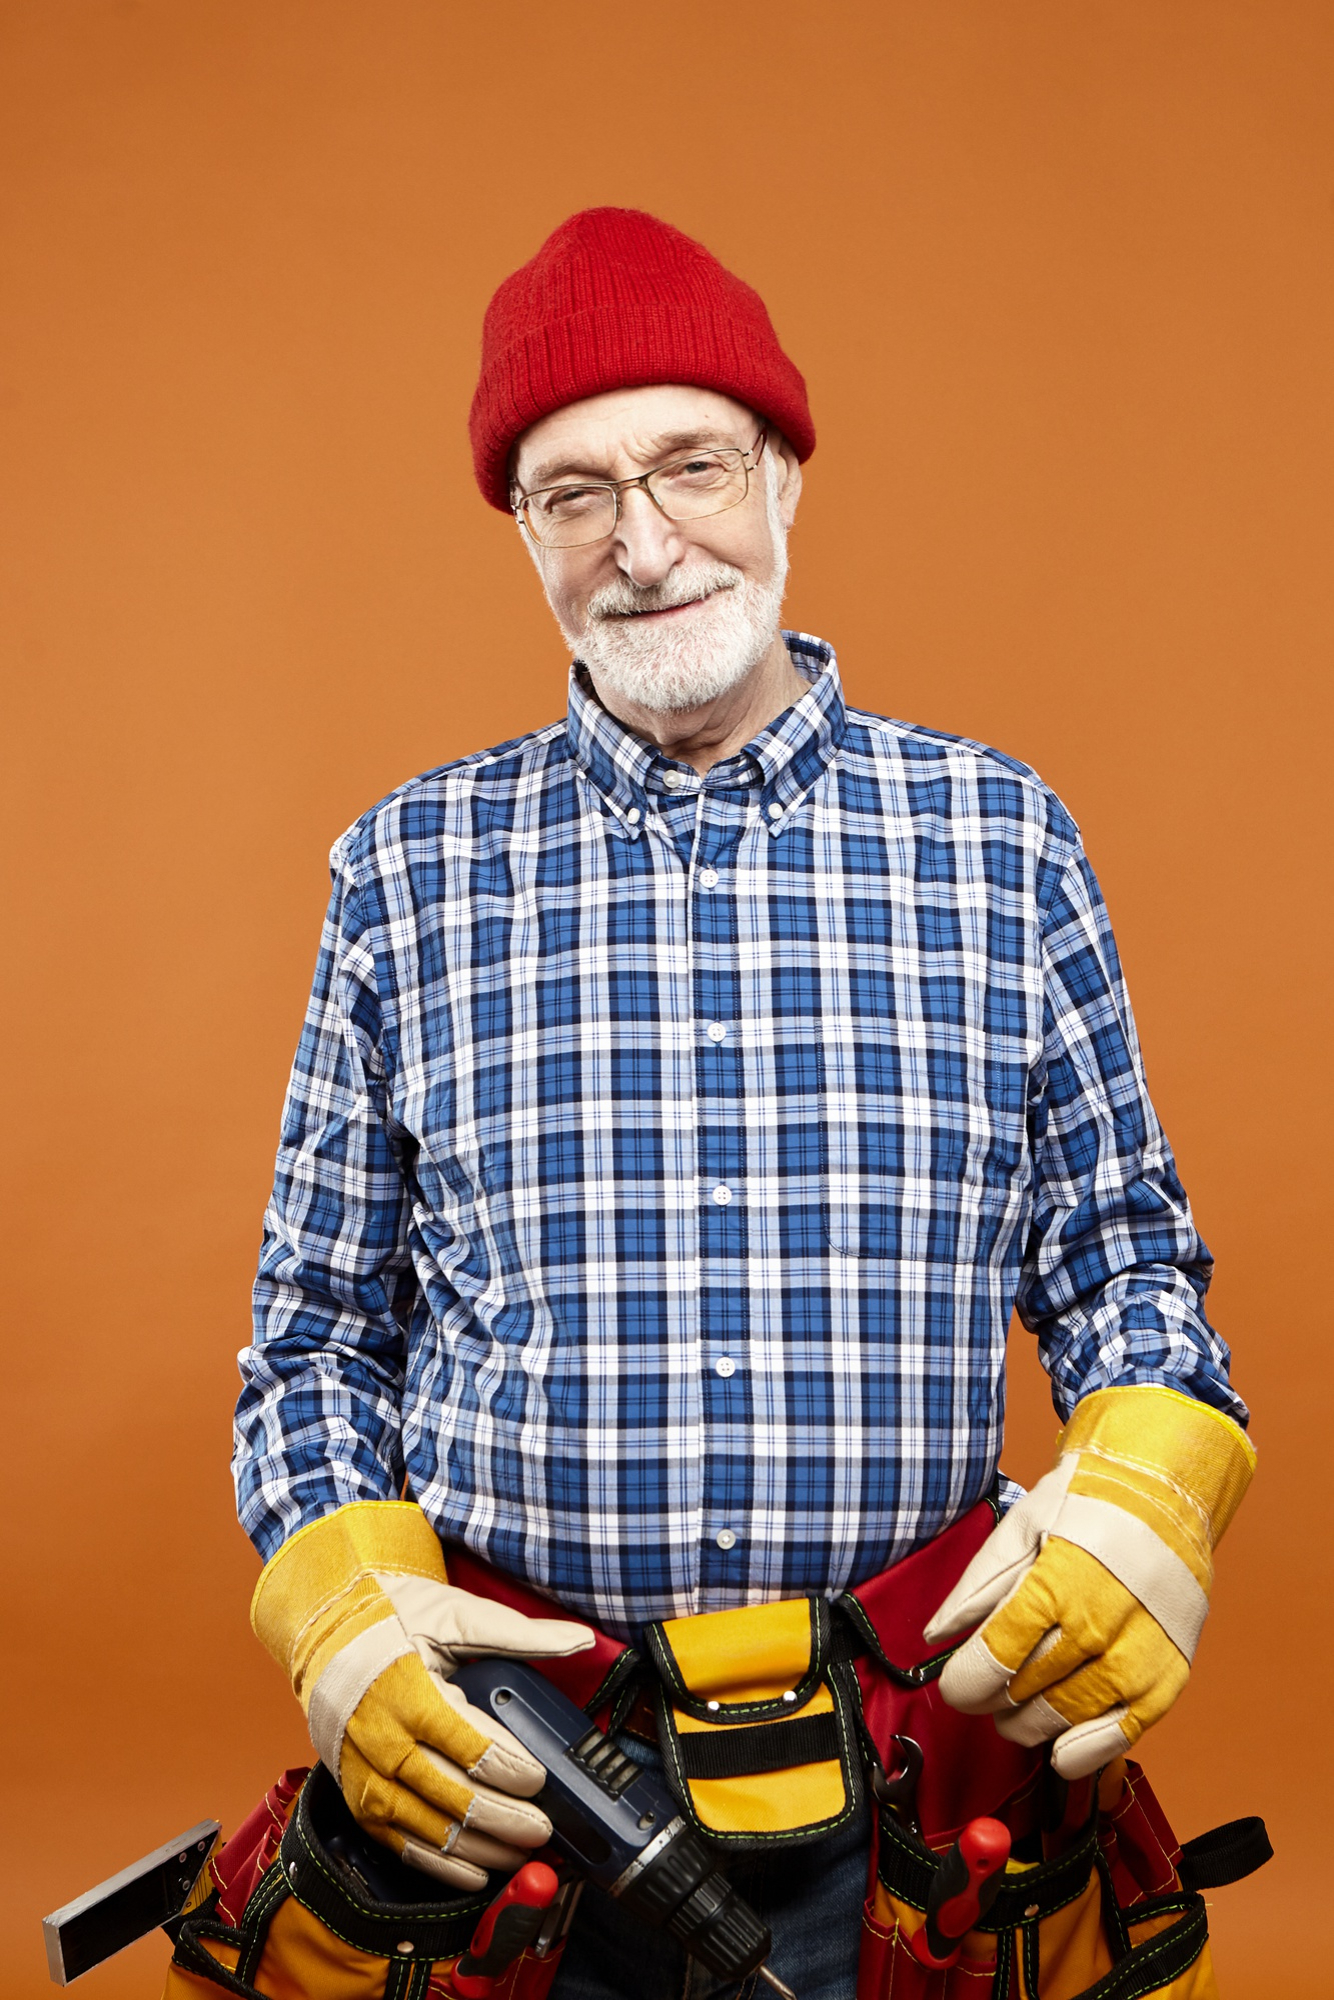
(287, 1914)
(1080, 1925)
(756, 1722)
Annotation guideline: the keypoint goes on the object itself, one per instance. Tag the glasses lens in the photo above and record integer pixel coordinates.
(561, 517)
(705, 484)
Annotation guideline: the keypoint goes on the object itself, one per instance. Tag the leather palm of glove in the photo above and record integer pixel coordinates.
(1095, 1585)
(358, 1611)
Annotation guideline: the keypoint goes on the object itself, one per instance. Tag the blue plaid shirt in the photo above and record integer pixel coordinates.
(663, 1157)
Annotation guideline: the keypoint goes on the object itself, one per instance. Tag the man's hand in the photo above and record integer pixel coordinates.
(358, 1611)
(1095, 1585)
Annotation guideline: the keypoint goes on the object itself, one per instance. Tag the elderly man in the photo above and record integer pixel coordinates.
(689, 1091)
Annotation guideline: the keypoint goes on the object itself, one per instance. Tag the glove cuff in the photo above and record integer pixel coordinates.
(1178, 1466)
(322, 1579)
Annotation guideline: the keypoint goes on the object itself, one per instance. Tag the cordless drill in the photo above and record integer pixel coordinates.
(619, 1827)
(614, 1824)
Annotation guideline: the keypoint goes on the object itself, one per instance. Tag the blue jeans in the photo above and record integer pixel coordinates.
(810, 1897)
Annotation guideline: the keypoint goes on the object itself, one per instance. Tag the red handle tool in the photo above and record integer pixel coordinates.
(963, 1889)
(507, 1928)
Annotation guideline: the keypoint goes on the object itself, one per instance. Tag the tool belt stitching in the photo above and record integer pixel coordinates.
(622, 1669)
(1113, 1916)
(773, 1708)
(1175, 1903)
(408, 1979)
(248, 1937)
(751, 1838)
(435, 1932)
(921, 1671)
(765, 1746)
(191, 1956)
(1153, 1964)
(1139, 1969)
(1051, 1885)
(270, 1895)
(910, 1677)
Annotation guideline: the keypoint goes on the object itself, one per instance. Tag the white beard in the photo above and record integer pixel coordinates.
(686, 665)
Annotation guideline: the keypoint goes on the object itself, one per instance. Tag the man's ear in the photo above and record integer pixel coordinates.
(787, 476)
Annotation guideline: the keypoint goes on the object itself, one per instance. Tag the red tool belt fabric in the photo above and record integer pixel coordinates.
(1098, 1901)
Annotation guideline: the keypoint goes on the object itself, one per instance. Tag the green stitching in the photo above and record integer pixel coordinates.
(914, 1676)
(390, 1922)
(620, 1669)
(664, 1659)
(1166, 1945)
(795, 1835)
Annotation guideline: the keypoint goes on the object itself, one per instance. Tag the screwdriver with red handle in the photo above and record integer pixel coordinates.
(508, 1927)
(962, 1891)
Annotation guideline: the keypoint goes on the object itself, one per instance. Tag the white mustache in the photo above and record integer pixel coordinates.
(624, 599)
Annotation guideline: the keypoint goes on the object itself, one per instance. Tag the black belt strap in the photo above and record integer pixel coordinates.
(1225, 1854)
(437, 1926)
(764, 1746)
(907, 1867)
(1156, 1961)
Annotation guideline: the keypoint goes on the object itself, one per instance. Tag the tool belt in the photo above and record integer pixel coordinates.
(301, 1905)
(773, 1722)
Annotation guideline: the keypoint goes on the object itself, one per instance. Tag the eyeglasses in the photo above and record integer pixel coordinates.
(573, 514)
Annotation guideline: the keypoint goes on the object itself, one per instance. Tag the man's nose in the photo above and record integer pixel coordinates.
(646, 544)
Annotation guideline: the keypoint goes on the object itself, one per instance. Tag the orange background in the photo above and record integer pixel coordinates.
(1060, 278)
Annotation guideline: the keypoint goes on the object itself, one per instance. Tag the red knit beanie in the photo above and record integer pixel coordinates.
(615, 299)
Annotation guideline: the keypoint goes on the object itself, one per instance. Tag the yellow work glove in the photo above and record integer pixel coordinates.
(357, 1610)
(1095, 1585)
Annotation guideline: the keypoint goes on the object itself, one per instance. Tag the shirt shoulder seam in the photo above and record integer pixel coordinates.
(354, 838)
(1059, 821)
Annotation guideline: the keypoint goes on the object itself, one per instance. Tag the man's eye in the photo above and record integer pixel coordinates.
(561, 501)
(705, 470)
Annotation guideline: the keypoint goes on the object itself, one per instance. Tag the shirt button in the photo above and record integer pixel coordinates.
(716, 1031)
(674, 780)
(708, 878)
(633, 815)
(726, 1366)
(775, 810)
(722, 1195)
(725, 1539)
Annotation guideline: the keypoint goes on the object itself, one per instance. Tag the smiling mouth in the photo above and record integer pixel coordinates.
(664, 610)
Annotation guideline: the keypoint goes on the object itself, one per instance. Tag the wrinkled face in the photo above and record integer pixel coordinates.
(667, 614)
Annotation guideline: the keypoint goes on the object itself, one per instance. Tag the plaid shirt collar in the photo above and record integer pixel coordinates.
(779, 765)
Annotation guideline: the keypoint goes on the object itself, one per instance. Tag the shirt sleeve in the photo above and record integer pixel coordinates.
(1115, 1272)
(318, 1419)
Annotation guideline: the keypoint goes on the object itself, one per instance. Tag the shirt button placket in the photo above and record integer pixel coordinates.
(719, 1057)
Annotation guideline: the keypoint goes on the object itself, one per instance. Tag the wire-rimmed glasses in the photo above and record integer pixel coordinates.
(574, 513)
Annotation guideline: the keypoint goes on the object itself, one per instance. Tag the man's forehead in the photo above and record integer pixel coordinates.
(627, 429)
